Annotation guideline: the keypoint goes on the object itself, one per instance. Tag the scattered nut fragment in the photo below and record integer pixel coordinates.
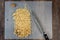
(13, 5)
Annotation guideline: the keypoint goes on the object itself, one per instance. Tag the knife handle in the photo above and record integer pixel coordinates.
(45, 36)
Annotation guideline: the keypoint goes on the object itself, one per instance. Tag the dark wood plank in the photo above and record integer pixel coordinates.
(55, 19)
(28, 0)
(1, 20)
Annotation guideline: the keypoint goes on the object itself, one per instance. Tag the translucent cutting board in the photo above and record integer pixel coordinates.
(42, 9)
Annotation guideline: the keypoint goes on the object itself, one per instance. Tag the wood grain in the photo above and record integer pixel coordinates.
(55, 19)
(1, 20)
(28, 0)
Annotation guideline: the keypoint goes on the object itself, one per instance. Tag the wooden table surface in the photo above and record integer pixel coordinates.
(55, 18)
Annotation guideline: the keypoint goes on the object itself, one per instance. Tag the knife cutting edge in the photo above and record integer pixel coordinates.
(36, 20)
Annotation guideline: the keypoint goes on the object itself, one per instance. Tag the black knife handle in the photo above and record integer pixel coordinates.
(45, 36)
